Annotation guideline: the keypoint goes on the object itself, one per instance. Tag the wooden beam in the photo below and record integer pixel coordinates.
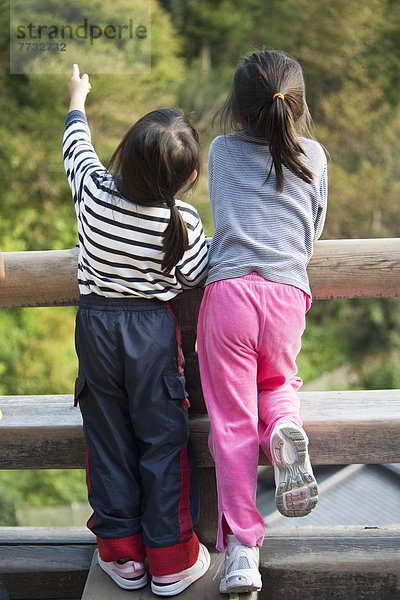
(344, 428)
(45, 536)
(367, 268)
(40, 432)
(46, 278)
(355, 563)
(39, 563)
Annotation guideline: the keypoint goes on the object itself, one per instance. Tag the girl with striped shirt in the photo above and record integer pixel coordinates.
(139, 247)
(268, 194)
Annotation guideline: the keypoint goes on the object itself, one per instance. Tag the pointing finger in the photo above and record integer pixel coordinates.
(75, 71)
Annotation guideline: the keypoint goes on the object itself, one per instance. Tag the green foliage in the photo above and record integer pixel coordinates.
(67, 24)
(37, 211)
(323, 344)
(350, 55)
(8, 517)
(43, 488)
(362, 136)
(216, 30)
(37, 353)
(363, 333)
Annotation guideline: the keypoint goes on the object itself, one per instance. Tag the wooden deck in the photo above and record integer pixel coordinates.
(349, 563)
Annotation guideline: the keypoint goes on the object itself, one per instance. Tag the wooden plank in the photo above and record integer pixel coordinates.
(3, 592)
(342, 563)
(186, 308)
(55, 536)
(352, 563)
(41, 432)
(206, 528)
(38, 563)
(344, 428)
(44, 278)
(99, 586)
(39, 571)
(193, 383)
(367, 268)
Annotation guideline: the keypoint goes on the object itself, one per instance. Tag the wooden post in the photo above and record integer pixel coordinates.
(186, 308)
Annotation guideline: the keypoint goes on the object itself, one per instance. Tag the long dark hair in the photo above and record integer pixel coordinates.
(268, 102)
(152, 163)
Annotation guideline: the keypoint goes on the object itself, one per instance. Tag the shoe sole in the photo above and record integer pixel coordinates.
(240, 580)
(238, 588)
(125, 584)
(297, 491)
(241, 589)
(177, 587)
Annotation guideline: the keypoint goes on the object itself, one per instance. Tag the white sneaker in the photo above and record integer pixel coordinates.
(169, 585)
(296, 492)
(130, 575)
(240, 572)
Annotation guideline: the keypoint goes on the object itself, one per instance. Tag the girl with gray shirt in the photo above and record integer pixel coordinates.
(268, 194)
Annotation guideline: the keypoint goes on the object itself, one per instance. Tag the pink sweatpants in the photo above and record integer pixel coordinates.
(249, 335)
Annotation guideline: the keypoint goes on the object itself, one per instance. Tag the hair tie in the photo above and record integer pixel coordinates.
(278, 95)
(171, 203)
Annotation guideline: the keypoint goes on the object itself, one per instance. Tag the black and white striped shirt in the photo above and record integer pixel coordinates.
(257, 228)
(120, 243)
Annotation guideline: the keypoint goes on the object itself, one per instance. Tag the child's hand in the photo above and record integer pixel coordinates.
(78, 87)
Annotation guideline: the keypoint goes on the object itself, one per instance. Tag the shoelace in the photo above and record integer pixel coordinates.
(217, 561)
(232, 595)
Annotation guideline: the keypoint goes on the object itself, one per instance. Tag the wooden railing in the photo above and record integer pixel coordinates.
(343, 427)
(338, 269)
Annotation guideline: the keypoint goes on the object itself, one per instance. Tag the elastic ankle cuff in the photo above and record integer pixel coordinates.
(173, 559)
(128, 547)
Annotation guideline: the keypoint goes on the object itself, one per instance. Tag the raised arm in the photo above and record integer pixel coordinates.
(80, 158)
(78, 87)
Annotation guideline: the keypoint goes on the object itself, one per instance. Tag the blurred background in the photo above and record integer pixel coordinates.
(350, 53)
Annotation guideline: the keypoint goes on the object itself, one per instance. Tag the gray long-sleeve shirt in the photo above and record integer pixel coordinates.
(257, 228)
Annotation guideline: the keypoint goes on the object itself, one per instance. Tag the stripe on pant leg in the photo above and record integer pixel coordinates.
(93, 518)
(184, 513)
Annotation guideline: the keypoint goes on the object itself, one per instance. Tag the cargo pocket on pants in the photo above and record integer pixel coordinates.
(178, 415)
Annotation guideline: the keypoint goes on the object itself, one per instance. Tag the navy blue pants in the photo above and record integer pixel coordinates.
(141, 474)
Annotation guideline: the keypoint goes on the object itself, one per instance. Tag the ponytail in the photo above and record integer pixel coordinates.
(268, 102)
(154, 161)
(175, 239)
(284, 144)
